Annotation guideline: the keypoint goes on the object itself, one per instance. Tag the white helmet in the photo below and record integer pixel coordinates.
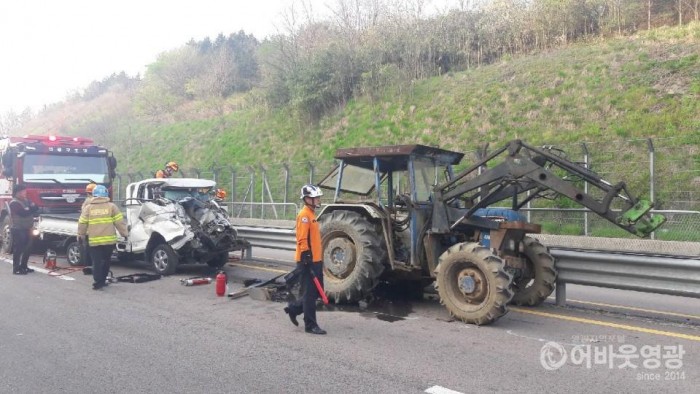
(310, 191)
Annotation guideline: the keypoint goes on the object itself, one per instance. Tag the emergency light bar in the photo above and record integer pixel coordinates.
(53, 139)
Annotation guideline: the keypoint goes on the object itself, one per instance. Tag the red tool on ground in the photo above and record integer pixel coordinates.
(319, 287)
(195, 281)
(50, 259)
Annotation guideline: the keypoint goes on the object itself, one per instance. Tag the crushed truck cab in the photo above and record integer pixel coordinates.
(174, 221)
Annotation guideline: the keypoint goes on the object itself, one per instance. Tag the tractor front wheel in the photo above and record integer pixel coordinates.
(534, 288)
(472, 283)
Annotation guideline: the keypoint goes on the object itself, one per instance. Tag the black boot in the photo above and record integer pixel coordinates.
(292, 317)
(316, 330)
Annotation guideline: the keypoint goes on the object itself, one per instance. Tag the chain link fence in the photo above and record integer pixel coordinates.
(667, 171)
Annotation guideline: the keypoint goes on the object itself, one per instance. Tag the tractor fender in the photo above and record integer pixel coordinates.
(365, 209)
(374, 214)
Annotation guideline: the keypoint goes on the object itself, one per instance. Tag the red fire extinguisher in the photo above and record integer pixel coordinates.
(221, 280)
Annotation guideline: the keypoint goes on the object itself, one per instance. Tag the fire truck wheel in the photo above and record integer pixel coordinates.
(164, 259)
(6, 236)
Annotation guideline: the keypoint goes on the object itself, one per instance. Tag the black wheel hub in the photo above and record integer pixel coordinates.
(341, 255)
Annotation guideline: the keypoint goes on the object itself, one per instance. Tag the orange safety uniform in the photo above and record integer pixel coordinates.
(308, 235)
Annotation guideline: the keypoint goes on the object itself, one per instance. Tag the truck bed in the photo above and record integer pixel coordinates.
(58, 224)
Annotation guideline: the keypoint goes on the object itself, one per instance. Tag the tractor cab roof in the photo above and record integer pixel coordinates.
(395, 157)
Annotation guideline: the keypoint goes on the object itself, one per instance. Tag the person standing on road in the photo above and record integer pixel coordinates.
(98, 221)
(309, 258)
(22, 213)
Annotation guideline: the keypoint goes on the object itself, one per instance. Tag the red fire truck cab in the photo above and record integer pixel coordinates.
(55, 170)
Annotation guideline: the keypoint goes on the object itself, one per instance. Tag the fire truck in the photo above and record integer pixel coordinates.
(55, 170)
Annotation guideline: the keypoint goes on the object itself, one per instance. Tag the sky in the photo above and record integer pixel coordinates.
(50, 48)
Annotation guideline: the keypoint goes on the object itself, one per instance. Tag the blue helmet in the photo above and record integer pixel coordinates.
(100, 191)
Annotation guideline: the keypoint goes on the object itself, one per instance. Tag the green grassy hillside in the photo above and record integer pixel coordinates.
(603, 92)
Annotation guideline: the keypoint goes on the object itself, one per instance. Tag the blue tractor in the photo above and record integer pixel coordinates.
(400, 213)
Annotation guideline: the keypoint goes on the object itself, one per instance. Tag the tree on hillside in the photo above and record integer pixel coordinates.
(120, 80)
(244, 48)
(175, 69)
(12, 121)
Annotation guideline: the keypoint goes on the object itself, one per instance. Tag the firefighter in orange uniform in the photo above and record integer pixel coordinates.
(170, 168)
(309, 258)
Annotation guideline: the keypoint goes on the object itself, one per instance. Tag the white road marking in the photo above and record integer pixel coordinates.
(441, 390)
(53, 273)
(510, 332)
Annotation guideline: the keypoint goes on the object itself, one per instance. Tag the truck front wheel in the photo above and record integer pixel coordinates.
(5, 236)
(164, 259)
(74, 253)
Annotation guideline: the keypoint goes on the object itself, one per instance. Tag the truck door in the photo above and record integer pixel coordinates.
(138, 238)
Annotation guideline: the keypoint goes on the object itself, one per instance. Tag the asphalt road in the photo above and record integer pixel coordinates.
(58, 335)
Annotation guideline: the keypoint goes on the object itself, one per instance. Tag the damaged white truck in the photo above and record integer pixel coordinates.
(171, 221)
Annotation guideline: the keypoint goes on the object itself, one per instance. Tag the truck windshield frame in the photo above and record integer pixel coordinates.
(65, 168)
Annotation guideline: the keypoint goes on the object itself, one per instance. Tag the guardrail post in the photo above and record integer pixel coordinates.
(560, 293)
(247, 253)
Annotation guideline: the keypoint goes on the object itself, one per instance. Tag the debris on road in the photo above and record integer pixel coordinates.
(196, 281)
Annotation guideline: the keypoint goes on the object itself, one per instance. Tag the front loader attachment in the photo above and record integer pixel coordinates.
(637, 218)
(524, 173)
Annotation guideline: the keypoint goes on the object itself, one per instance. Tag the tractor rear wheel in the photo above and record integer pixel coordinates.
(535, 288)
(472, 283)
(353, 255)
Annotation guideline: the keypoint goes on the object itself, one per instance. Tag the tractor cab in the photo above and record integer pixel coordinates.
(389, 175)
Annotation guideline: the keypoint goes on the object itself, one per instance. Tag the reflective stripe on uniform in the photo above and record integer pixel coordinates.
(103, 240)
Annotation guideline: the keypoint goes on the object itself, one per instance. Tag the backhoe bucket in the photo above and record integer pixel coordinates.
(646, 226)
(632, 215)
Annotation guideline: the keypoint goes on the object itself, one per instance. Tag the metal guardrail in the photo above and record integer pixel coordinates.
(640, 272)
(268, 237)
